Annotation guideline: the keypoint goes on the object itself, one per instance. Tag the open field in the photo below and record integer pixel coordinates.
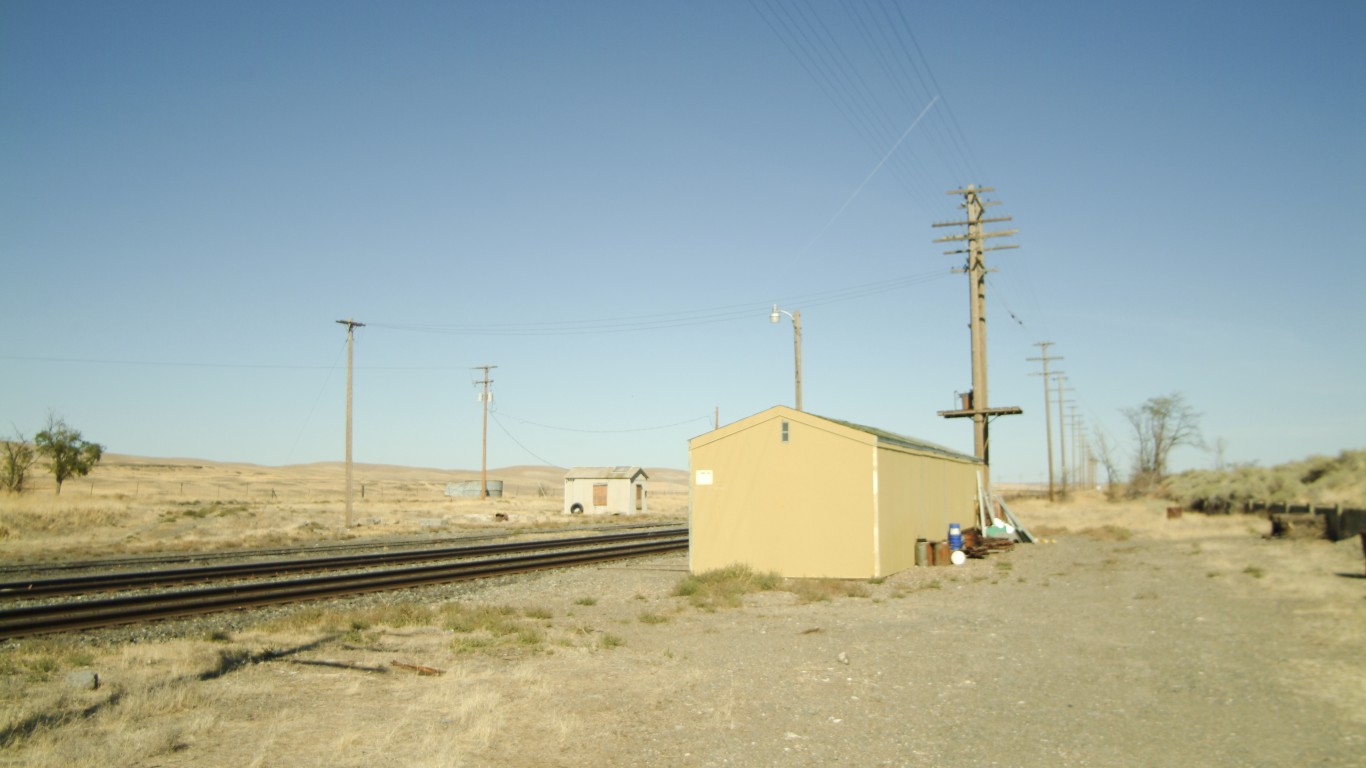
(132, 505)
(1130, 640)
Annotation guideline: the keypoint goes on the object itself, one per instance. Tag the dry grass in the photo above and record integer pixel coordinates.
(724, 587)
(131, 505)
(823, 590)
(314, 687)
(156, 700)
(151, 705)
(1090, 515)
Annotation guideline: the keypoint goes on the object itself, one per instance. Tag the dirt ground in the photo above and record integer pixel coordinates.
(1182, 642)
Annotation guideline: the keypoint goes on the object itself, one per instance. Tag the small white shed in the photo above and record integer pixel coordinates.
(605, 491)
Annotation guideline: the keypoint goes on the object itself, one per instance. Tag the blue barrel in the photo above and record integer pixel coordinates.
(955, 537)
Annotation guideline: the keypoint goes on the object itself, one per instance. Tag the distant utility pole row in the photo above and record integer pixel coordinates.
(1081, 469)
(975, 404)
(1047, 409)
(485, 397)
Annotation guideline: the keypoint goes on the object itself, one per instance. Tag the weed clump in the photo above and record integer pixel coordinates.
(490, 629)
(824, 590)
(723, 587)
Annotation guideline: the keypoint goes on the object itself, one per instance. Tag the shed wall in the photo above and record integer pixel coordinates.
(621, 495)
(803, 508)
(918, 496)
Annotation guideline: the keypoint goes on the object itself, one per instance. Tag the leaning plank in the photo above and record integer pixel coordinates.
(1020, 530)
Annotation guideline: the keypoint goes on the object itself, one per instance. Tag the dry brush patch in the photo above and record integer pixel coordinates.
(130, 505)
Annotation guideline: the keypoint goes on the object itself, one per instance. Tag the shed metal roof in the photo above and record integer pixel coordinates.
(892, 438)
(604, 473)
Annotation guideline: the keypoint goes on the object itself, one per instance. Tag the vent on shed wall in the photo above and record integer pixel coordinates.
(784, 431)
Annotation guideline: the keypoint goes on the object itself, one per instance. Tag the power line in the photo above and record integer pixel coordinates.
(530, 452)
(607, 431)
(245, 366)
(327, 380)
(666, 320)
(870, 175)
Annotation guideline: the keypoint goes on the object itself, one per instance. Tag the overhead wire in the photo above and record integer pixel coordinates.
(666, 320)
(609, 431)
(953, 119)
(530, 452)
(336, 361)
(877, 44)
(795, 32)
(910, 72)
(870, 176)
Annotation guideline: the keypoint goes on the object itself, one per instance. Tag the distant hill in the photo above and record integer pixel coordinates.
(138, 475)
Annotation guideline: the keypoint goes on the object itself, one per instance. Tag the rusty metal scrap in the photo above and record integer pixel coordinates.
(418, 668)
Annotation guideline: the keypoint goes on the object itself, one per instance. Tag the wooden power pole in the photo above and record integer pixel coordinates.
(485, 397)
(1047, 411)
(977, 406)
(351, 326)
(1062, 433)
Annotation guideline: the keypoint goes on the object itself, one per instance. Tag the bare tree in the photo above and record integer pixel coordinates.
(1161, 424)
(1105, 452)
(16, 459)
(1220, 449)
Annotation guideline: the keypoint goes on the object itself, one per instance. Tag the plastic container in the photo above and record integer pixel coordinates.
(955, 537)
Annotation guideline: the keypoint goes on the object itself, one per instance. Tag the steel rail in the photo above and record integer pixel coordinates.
(239, 554)
(91, 614)
(105, 582)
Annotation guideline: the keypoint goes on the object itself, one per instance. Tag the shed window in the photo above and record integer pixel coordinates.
(784, 431)
(600, 494)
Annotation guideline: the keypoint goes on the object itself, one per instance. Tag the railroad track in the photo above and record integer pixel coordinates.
(45, 618)
(163, 559)
(27, 589)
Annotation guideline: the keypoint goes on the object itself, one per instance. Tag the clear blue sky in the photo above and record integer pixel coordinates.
(191, 194)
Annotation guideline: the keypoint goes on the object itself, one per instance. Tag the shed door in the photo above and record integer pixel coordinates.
(640, 497)
(600, 494)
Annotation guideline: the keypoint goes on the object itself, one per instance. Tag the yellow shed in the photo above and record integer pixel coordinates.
(808, 496)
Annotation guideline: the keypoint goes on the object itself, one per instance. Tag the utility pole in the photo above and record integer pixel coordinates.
(484, 397)
(351, 326)
(976, 268)
(1047, 410)
(1082, 448)
(1062, 436)
(1078, 447)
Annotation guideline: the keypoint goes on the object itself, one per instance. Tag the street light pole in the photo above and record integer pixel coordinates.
(796, 316)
